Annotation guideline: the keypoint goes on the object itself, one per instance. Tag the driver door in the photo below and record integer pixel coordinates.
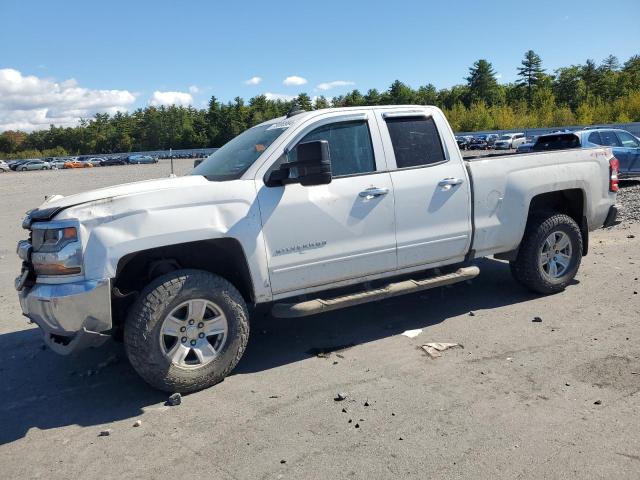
(323, 234)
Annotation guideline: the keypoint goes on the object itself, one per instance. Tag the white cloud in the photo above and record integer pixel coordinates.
(194, 89)
(279, 96)
(170, 98)
(294, 80)
(498, 75)
(253, 81)
(334, 84)
(28, 102)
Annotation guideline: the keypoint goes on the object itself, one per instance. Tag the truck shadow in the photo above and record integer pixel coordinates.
(45, 391)
(276, 341)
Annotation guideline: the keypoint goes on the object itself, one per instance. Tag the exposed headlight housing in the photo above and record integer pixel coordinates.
(56, 248)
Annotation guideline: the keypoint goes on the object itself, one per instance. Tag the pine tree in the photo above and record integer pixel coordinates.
(482, 83)
(530, 73)
(611, 64)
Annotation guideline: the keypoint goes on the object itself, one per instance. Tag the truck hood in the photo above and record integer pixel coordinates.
(189, 181)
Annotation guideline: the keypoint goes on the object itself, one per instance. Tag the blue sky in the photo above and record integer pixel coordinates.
(118, 54)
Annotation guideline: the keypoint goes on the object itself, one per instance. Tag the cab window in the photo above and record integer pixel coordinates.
(416, 141)
(350, 147)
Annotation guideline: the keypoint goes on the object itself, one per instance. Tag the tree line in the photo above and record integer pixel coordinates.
(584, 94)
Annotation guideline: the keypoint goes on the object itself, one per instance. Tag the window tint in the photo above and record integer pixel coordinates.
(594, 137)
(609, 139)
(349, 147)
(415, 141)
(628, 140)
(559, 141)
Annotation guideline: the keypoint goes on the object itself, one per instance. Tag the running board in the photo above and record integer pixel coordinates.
(319, 305)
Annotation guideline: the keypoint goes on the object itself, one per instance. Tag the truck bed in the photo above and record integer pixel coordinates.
(504, 184)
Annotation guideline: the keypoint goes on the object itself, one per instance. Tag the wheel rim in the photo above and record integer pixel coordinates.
(193, 333)
(555, 254)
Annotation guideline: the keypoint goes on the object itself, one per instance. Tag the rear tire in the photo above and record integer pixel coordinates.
(550, 253)
(153, 316)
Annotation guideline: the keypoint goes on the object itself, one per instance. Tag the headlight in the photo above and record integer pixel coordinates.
(53, 239)
(56, 249)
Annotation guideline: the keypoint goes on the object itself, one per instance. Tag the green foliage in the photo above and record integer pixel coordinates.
(578, 94)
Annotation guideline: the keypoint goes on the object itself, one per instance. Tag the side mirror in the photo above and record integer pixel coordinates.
(197, 162)
(312, 167)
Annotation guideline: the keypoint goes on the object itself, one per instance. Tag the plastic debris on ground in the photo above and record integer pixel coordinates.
(412, 333)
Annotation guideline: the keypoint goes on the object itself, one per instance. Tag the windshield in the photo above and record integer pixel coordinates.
(236, 156)
(505, 137)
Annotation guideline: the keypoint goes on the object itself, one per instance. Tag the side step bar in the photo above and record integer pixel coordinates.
(318, 305)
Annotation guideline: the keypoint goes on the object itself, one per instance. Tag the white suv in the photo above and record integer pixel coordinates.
(510, 140)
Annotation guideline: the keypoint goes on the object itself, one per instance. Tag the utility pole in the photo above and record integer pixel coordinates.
(172, 175)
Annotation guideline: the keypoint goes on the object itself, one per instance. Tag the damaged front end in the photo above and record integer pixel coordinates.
(73, 313)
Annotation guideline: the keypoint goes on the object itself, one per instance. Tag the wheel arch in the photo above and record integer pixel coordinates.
(222, 256)
(571, 201)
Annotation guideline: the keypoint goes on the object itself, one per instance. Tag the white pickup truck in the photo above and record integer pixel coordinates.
(306, 213)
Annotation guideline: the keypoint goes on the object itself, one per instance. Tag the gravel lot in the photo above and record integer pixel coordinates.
(558, 398)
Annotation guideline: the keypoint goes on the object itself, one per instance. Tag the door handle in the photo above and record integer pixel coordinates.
(373, 192)
(447, 183)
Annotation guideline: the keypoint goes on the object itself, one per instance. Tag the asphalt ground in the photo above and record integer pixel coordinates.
(558, 398)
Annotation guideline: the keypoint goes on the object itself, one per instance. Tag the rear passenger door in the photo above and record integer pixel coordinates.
(432, 192)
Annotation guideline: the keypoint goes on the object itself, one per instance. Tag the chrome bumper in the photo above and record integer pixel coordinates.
(72, 316)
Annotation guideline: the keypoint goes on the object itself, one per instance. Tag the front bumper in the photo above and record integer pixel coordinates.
(72, 316)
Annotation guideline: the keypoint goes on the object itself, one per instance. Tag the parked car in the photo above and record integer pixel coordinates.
(491, 139)
(95, 161)
(77, 164)
(463, 142)
(556, 141)
(4, 167)
(14, 164)
(625, 147)
(57, 163)
(526, 147)
(107, 162)
(509, 141)
(136, 159)
(479, 142)
(34, 165)
(175, 263)
(483, 141)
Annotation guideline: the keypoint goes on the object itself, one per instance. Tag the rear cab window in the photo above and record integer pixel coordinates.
(416, 141)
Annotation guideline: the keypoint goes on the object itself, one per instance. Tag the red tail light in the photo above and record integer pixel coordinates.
(614, 165)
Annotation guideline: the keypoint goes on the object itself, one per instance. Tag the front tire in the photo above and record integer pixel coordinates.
(187, 331)
(550, 253)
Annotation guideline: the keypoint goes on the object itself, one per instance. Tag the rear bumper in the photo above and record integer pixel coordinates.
(72, 316)
(612, 216)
